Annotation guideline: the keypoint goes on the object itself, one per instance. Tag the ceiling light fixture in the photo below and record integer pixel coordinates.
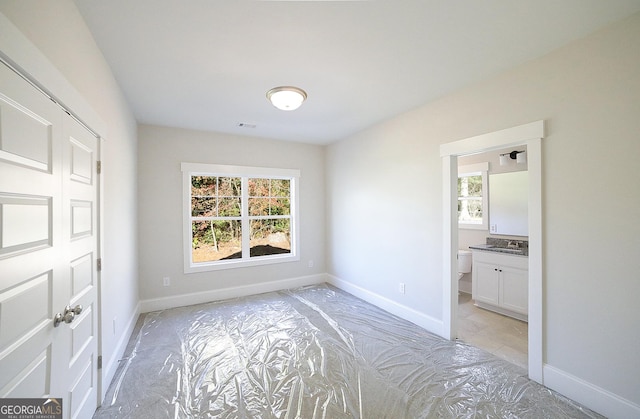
(287, 98)
(518, 156)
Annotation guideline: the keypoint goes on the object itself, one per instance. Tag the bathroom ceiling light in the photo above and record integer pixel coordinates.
(518, 156)
(521, 157)
(286, 98)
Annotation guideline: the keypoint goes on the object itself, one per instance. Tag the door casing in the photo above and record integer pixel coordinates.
(530, 134)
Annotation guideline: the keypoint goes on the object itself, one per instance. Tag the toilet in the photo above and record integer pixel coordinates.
(464, 262)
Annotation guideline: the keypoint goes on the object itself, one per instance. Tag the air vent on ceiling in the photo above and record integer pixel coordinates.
(246, 125)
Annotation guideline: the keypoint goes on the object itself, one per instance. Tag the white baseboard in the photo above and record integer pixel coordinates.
(426, 322)
(182, 300)
(109, 369)
(589, 395)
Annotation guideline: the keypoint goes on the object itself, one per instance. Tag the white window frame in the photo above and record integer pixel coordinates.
(203, 169)
(475, 170)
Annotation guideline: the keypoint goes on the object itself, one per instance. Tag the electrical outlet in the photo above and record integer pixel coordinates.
(493, 228)
(401, 288)
(166, 281)
(311, 264)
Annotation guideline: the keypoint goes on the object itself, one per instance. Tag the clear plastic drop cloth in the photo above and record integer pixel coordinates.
(314, 352)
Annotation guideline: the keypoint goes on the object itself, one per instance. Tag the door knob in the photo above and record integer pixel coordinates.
(68, 316)
(76, 310)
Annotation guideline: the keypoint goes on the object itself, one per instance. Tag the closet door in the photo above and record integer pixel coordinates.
(48, 250)
(78, 339)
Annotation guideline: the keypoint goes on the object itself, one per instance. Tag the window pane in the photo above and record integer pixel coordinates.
(280, 206)
(269, 197)
(203, 207)
(216, 240)
(270, 237)
(470, 185)
(229, 207)
(259, 187)
(229, 186)
(470, 210)
(470, 199)
(258, 206)
(203, 185)
(280, 187)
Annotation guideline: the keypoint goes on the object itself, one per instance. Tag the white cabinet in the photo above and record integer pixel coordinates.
(500, 282)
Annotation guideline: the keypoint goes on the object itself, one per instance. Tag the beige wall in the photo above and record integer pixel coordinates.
(58, 31)
(389, 177)
(161, 150)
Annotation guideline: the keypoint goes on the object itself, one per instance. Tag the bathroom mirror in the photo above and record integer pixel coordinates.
(508, 203)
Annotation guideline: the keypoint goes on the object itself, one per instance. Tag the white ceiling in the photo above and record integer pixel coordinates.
(207, 64)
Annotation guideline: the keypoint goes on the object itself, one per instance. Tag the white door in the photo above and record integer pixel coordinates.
(48, 250)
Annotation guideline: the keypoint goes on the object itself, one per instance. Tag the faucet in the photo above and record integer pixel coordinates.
(513, 245)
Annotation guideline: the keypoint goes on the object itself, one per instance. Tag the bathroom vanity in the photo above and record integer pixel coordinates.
(500, 280)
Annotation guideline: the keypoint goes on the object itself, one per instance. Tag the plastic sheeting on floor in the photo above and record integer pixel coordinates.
(314, 352)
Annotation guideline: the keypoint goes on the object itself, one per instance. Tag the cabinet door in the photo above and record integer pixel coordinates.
(515, 289)
(486, 284)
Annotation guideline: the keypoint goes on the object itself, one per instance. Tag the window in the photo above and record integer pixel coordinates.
(238, 216)
(472, 196)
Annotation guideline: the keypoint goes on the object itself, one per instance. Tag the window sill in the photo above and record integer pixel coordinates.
(239, 263)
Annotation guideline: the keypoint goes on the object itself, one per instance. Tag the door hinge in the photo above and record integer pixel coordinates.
(99, 166)
(99, 264)
(100, 362)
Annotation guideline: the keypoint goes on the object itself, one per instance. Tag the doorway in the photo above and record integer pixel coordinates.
(531, 135)
(494, 329)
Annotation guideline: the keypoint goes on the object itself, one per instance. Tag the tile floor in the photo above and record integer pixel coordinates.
(503, 336)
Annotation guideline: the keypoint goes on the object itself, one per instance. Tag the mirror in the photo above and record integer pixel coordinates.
(508, 203)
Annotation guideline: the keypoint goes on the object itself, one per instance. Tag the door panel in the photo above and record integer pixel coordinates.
(26, 221)
(81, 218)
(30, 162)
(82, 158)
(33, 379)
(82, 392)
(26, 134)
(26, 299)
(82, 274)
(80, 150)
(48, 250)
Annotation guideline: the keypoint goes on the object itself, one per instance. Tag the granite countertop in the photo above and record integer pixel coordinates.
(511, 247)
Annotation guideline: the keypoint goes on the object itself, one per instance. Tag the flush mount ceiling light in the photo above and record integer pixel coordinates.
(287, 98)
